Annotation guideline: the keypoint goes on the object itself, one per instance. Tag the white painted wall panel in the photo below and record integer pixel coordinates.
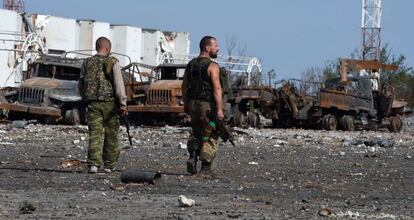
(89, 31)
(11, 23)
(60, 33)
(151, 49)
(127, 40)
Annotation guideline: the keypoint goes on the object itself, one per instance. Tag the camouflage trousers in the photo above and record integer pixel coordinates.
(207, 149)
(103, 120)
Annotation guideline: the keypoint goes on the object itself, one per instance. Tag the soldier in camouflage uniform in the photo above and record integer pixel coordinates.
(103, 91)
(203, 93)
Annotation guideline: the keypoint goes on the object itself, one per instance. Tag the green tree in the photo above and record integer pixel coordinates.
(402, 79)
(313, 77)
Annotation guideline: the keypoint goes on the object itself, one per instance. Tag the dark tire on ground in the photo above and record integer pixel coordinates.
(396, 124)
(72, 117)
(347, 123)
(329, 122)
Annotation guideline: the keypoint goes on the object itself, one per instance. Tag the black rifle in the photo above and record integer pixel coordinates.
(222, 130)
(126, 122)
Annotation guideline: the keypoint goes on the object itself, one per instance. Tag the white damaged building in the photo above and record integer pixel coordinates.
(24, 37)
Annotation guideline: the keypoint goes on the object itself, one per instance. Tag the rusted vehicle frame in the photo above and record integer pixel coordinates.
(161, 94)
(52, 94)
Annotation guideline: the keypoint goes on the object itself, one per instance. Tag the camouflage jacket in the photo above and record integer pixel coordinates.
(101, 80)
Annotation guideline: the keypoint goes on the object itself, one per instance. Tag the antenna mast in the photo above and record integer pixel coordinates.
(371, 29)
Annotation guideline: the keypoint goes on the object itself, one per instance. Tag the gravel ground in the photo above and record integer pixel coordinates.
(270, 174)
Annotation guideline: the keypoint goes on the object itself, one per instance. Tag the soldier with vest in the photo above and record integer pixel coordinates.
(102, 88)
(203, 94)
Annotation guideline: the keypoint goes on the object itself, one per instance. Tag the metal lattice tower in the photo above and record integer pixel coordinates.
(371, 29)
(14, 5)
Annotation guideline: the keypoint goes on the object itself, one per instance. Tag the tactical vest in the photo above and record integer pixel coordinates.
(98, 78)
(199, 83)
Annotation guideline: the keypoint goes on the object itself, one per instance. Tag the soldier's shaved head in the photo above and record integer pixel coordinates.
(102, 43)
(205, 41)
(208, 45)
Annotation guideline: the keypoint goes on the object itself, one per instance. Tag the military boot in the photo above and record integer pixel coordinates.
(192, 163)
(206, 168)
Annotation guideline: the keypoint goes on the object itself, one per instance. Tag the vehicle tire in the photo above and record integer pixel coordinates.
(252, 120)
(83, 115)
(239, 120)
(396, 124)
(72, 117)
(329, 122)
(347, 123)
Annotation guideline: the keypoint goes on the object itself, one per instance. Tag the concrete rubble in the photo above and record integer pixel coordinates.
(185, 202)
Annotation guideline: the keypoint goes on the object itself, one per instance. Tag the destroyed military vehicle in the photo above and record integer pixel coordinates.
(353, 101)
(155, 97)
(48, 93)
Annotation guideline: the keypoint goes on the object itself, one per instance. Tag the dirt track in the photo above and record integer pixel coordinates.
(271, 174)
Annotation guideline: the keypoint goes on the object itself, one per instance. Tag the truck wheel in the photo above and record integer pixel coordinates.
(347, 123)
(329, 122)
(72, 117)
(252, 120)
(396, 124)
(239, 120)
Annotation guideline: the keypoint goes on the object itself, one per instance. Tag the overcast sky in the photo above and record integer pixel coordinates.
(288, 35)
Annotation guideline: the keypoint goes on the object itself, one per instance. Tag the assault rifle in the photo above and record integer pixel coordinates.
(126, 122)
(222, 130)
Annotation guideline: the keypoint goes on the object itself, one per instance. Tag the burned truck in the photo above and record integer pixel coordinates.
(356, 100)
(360, 101)
(247, 103)
(155, 97)
(48, 93)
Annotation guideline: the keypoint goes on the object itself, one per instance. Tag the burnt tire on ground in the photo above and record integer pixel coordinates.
(396, 124)
(329, 122)
(347, 123)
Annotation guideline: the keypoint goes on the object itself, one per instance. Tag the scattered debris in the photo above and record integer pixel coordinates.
(185, 202)
(370, 143)
(119, 188)
(324, 212)
(357, 215)
(305, 161)
(182, 145)
(70, 163)
(19, 124)
(3, 212)
(27, 208)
